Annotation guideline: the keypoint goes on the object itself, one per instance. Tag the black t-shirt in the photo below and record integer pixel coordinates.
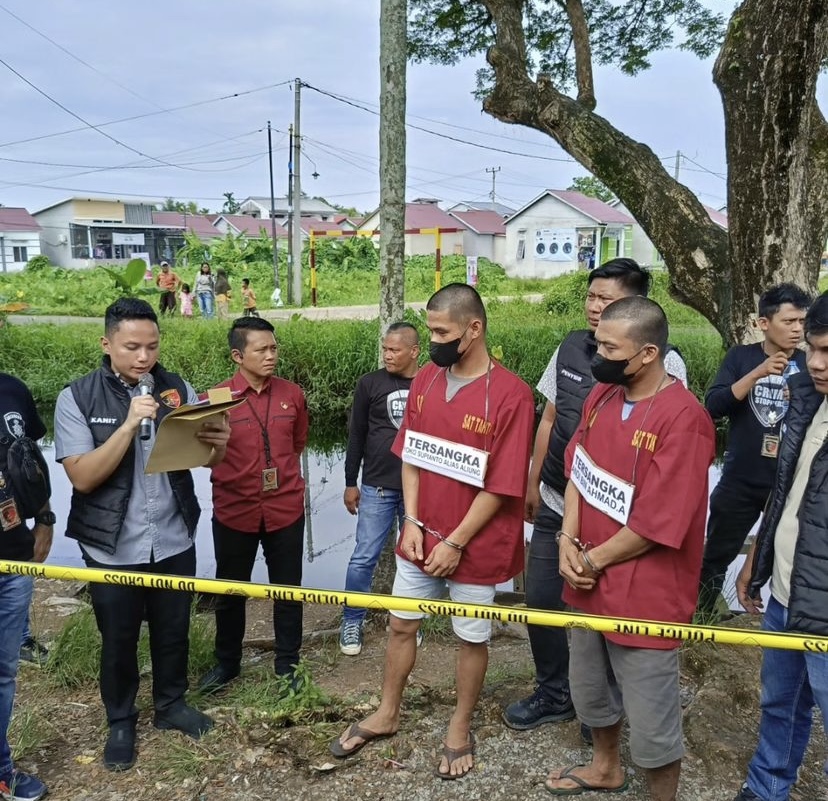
(379, 403)
(18, 418)
(755, 421)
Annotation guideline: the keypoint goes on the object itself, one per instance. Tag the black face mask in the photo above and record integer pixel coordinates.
(611, 371)
(445, 354)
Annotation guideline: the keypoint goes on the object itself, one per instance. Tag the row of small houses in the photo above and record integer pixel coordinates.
(558, 231)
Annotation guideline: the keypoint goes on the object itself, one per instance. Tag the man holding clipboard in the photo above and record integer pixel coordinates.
(464, 441)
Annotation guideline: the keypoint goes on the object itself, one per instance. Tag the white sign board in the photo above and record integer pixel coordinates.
(451, 459)
(471, 270)
(119, 238)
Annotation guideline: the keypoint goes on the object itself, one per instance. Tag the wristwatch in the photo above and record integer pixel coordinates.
(46, 519)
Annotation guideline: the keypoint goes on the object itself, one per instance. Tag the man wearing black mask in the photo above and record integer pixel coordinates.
(624, 552)
(464, 442)
(565, 385)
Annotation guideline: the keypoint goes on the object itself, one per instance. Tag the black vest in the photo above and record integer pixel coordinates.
(808, 602)
(574, 382)
(95, 518)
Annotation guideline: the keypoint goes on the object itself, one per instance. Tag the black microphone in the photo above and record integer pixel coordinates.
(146, 384)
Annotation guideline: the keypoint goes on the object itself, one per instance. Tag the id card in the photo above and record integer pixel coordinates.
(9, 516)
(270, 479)
(770, 445)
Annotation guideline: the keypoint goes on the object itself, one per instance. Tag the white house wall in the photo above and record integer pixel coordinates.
(55, 242)
(549, 212)
(18, 239)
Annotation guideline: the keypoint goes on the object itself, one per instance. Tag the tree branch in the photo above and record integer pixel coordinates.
(583, 53)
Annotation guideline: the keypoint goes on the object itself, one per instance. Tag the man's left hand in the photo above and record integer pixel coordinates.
(442, 561)
(42, 542)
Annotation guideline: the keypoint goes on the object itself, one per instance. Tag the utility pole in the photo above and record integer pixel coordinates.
(677, 169)
(494, 171)
(296, 233)
(276, 289)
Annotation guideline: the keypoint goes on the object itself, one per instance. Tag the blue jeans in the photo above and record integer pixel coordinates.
(15, 595)
(377, 509)
(205, 303)
(792, 681)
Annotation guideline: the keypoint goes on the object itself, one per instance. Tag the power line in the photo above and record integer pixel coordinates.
(341, 99)
(147, 114)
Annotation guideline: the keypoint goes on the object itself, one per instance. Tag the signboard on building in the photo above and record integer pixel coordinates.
(555, 244)
(119, 238)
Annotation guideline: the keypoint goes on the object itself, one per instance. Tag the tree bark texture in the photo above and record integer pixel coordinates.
(392, 160)
(775, 134)
(777, 143)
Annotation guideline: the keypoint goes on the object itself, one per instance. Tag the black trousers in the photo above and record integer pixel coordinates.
(235, 555)
(544, 587)
(167, 302)
(734, 508)
(119, 611)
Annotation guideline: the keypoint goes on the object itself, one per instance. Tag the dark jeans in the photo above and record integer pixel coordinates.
(119, 610)
(544, 586)
(235, 555)
(734, 508)
(167, 302)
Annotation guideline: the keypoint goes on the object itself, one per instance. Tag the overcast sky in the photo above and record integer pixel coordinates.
(146, 57)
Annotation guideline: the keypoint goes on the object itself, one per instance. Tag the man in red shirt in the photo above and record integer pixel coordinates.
(464, 442)
(631, 546)
(259, 498)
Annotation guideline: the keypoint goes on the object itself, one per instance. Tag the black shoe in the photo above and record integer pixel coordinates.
(119, 751)
(215, 679)
(536, 710)
(33, 652)
(586, 734)
(184, 718)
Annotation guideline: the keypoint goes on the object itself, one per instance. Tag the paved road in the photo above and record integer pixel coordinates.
(368, 312)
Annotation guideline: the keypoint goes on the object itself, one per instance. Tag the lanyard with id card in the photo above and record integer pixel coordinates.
(270, 473)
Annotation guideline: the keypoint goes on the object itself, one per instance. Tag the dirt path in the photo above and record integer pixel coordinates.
(260, 751)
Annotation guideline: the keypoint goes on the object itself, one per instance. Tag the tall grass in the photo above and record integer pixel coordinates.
(324, 357)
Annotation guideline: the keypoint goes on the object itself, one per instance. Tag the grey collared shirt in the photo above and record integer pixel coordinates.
(153, 528)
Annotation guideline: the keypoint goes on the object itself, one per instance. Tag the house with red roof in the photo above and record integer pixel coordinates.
(485, 233)
(422, 217)
(19, 238)
(562, 230)
(251, 227)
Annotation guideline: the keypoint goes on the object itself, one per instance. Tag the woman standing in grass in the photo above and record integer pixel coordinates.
(205, 290)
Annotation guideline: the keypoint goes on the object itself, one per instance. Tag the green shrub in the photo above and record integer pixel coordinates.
(38, 264)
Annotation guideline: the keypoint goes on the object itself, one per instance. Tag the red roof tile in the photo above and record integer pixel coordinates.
(481, 222)
(252, 226)
(309, 223)
(591, 206)
(197, 223)
(718, 217)
(16, 219)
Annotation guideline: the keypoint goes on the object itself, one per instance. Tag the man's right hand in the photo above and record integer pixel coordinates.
(140, 407)
(572, 567)
(773, 365)
(531, 503)
(411, 543)
(351, 499)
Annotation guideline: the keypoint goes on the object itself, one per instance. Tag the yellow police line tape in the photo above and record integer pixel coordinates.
(500, 614)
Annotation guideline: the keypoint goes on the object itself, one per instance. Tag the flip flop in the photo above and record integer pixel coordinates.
(455, 753)
(583, 785)
(355, 731)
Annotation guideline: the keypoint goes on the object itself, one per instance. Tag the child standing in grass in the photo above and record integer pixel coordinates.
(248, 299)
(186, 298)
(222, 294)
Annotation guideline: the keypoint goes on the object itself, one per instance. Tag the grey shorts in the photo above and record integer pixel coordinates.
(608, 680)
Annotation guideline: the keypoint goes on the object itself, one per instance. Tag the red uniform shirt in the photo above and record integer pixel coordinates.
(495, 553)
(673, 441)
(239, 500)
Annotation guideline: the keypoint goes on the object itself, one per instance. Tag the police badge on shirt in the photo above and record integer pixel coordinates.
(395, 405)
(769, 400)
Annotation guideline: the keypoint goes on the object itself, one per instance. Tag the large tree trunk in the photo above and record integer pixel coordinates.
(393, 17)
(777, 138)
(702, 271)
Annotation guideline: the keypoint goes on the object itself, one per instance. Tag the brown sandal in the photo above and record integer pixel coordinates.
(452, 754)
(355, 731)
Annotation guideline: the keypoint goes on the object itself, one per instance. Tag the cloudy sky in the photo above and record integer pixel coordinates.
(105, 61)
